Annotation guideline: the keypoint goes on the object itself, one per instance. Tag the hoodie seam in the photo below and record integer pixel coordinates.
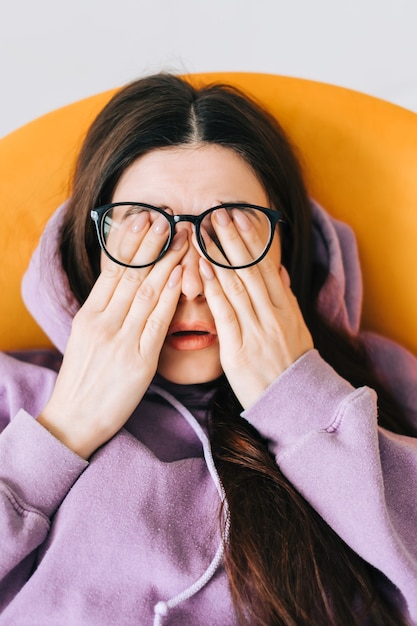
(330, 430)
(21, 508)
(345, 404)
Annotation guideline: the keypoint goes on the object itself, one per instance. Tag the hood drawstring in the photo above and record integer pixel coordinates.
(162, 608)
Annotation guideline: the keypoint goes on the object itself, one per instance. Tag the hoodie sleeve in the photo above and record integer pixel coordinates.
(36, 472)
(359, 477)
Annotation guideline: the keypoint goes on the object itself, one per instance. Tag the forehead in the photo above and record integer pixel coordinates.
(204, 175)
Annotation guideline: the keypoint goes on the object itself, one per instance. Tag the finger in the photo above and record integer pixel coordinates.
(262, 280)
(244, 289)
(124, 230)
(224, 313)
(246, 293)
(285, 277)
(151, 329)
(135, 235)
(104, 287)
(116, 285)
(153, 243)
(123, 240)
(135, 281)
(269, 274)
(235, 237)
(228, 278)
(244, 234)
(286, 282)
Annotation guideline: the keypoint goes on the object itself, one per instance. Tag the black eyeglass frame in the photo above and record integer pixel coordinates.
(274, 217)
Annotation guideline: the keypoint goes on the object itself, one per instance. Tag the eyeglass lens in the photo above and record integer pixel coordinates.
(232, 236)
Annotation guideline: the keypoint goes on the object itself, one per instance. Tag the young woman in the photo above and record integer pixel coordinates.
(221, 444)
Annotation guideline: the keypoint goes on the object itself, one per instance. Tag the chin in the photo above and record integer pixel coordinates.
(189, 367)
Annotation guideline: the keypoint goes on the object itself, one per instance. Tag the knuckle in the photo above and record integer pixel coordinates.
(228, 317)
(111, 270)
(269, 267)
(155, 326)
(236, 287)
(93, 330)
(252, 273)
(132, 275)
(81, 319)
(146, 293)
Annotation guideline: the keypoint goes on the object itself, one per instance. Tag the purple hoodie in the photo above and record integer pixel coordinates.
(132, 536)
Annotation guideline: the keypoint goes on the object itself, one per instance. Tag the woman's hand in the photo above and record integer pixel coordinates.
(113, 350)
(259, 324)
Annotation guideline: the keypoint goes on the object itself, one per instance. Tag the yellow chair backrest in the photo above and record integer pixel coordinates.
(360, 161)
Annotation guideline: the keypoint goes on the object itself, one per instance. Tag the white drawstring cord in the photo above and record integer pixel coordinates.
(161, 608)
(189, 417)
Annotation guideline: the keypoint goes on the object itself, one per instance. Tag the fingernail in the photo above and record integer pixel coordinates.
(160, 226)
(242, 221)
(206, 269)
(179, 240)
(139, 222)
(175, 277)
(222, 217)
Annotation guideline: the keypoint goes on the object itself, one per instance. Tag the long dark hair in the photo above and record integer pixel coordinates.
(291, 568)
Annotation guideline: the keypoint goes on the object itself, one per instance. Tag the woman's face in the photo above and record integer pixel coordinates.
(190, 180)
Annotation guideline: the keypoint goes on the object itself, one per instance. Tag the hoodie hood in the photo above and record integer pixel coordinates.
(335, 247)
(47, 295)
(45, 286)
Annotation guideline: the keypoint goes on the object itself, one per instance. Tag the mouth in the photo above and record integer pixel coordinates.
(196, 336)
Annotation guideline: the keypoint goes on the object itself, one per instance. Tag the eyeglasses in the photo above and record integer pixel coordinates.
(233, 236)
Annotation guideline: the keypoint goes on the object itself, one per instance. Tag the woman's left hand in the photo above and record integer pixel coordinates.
(259, 324)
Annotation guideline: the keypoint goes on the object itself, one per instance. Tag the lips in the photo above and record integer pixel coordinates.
(191, 335)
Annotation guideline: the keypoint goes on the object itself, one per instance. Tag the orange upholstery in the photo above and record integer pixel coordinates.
(360, 160)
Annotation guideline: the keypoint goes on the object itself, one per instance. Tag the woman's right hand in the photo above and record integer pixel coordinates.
(113, 350)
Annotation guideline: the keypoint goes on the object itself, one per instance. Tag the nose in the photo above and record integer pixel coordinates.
(192, 286)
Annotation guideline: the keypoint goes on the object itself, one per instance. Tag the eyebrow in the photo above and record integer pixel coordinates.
(165, 207)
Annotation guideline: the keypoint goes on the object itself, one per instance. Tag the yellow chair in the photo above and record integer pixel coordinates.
(360, 160)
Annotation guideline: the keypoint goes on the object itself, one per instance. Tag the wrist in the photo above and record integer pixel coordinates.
(68, 433)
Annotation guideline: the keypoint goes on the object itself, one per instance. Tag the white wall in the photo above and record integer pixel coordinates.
(52, 52)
